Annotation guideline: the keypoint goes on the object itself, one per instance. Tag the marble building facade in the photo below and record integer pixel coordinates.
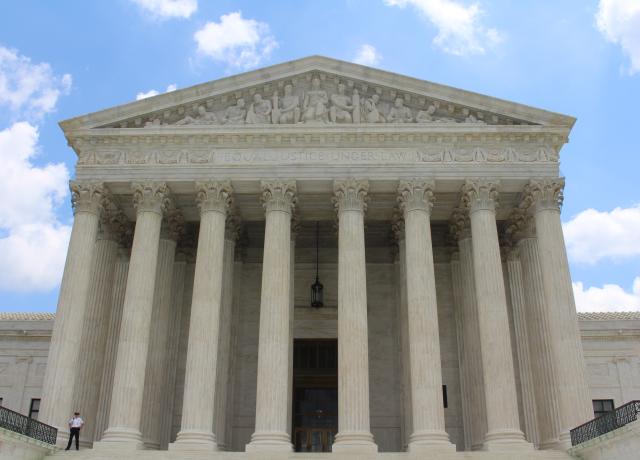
(185, 294)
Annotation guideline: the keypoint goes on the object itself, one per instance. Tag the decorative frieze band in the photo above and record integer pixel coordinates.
(433, 154)
(279, 195)
(350, 195)
(151, 196)
(214, 196)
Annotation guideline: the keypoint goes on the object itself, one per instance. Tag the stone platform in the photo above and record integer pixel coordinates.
(172, 455)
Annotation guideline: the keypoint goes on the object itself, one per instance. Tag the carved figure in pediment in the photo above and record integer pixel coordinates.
(153, 123)
(315, 103)
(202, 117)
(235, 114)
(472, 119)
(341, 108)
(426, 116)
(399, 113)
(372, 114)
(286, 110)
(260, 110)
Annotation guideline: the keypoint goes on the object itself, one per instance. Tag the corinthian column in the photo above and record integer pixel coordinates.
(197, 431)
(150, 200)
(545, 196)
(471, 356)
(353, 346)
(503, 422)
(64, 351)
(224, 351)
(274, 343)
(519, 311)
(154, 382)
(416, 201)
(545, 380)
(96, 322)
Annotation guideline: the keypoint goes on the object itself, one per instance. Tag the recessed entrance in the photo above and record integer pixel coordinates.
(315, 394)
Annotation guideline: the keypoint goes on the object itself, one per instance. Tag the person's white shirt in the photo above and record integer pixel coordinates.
(76, 422)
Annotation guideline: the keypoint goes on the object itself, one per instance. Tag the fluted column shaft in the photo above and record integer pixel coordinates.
(472, 346)
(153, 403)
(519, 309)
(197, 431)
(497, 363)
(222, 385)
(575, 403)
(64, 351)
(353, 346)
(463, 352)
(539, 328)
(111, 347)
(168, 392)
(150, 200)
(274, 341)
(416, 201)
(94, 331)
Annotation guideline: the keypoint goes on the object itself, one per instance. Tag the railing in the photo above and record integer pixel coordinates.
(605, 423)
(22, 424)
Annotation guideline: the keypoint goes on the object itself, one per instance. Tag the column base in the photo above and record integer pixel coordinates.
(195, 440)
(506, 440)
(122, 438)
(354, 442)
(430, 441)
(269, 441)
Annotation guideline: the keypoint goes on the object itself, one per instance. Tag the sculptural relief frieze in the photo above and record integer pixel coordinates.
(316, 100)
(433, 154)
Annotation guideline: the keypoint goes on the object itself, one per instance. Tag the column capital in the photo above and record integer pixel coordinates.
(295, 225)
(279, 195)
(459, 224)
(151, 196)
(350, 195)
(214, 196)
(114, 225)
(520, 225)
(87, 196)
(416, 194)
(397, 226)
(233, 226)
(173, 226)
(480, 194)
(544, 194)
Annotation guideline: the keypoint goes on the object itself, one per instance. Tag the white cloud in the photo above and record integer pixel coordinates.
(29, 90)
(169, 8)
(34, 242)
(367, 55)
(619, 22)
(610, 297)
(153, 92)
(593, 235)
(238, 42)
(460, 29)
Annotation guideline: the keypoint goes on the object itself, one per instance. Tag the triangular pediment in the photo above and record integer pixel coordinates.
(316, 91)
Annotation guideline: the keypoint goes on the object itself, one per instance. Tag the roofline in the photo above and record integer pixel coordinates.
(319, 63)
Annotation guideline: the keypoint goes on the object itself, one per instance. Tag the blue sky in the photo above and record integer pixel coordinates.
(578, 57)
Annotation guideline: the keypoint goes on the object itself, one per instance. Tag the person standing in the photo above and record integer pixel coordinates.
(75, 423)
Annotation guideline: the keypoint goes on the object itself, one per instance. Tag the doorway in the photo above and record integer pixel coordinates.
(315, 394)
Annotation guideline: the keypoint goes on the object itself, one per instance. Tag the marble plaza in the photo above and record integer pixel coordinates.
(448, 323)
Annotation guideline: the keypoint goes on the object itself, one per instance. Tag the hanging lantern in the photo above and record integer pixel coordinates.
(317, 294)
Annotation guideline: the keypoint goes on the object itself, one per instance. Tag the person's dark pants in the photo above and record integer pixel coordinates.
(74, 432)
